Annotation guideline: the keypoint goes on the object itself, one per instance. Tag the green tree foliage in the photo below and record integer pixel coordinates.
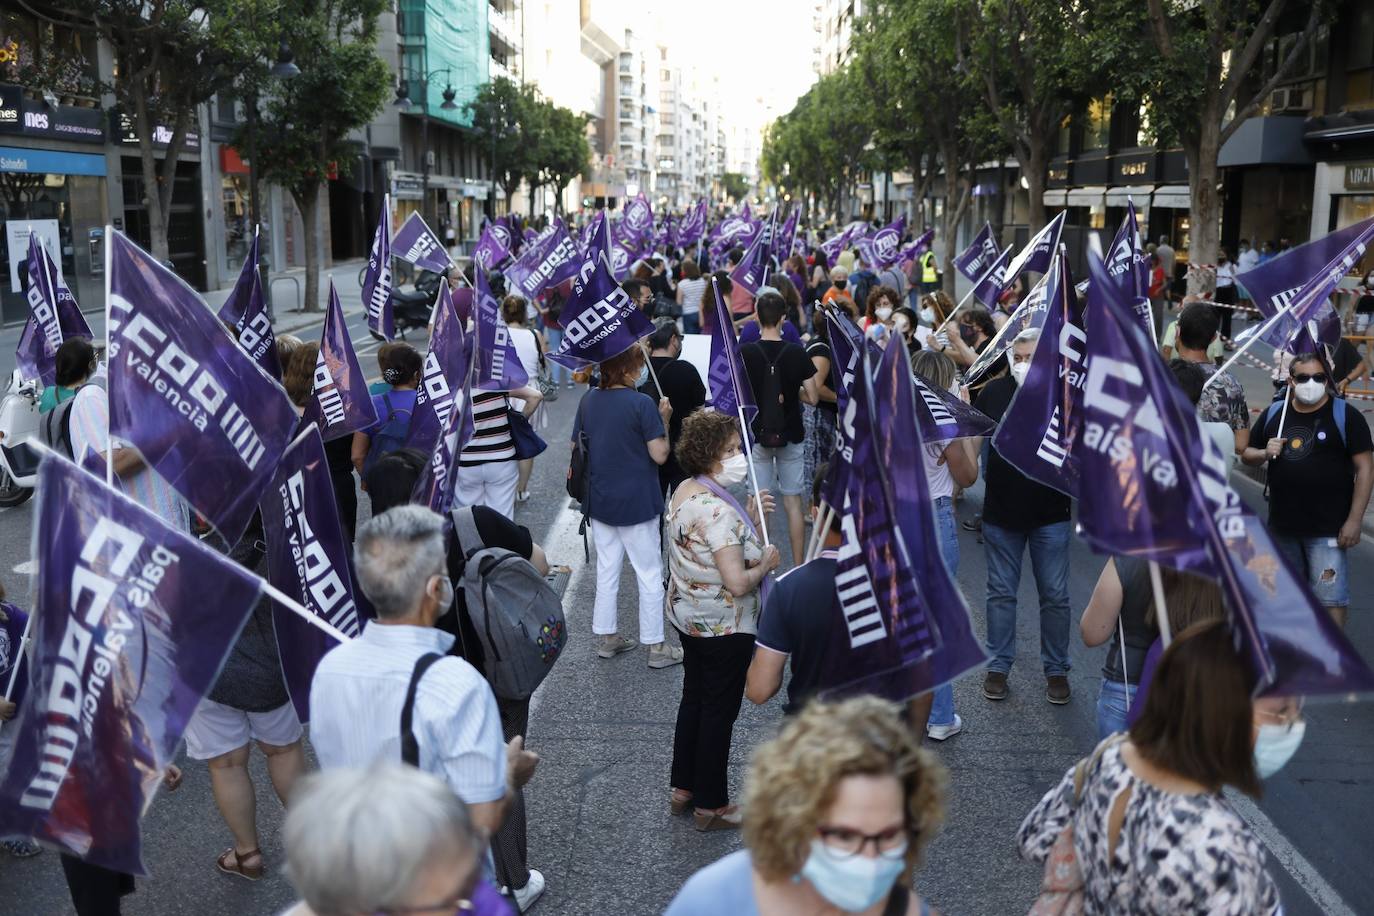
(734, 185)
(505, 114)
(563, 151)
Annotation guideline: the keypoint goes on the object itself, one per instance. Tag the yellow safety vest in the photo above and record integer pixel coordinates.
(928, 272)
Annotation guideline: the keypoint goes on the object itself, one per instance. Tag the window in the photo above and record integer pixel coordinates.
(1062, 143)
(39, 55)
(1097, 124)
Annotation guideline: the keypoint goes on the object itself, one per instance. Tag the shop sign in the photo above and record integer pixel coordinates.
(11, 111)
(1359, 176)
(407, 188)
(1058, 174)
(22, 115)
(123, 126)
(44, 161)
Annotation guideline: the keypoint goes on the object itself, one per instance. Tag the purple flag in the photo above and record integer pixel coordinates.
(1029, 314)
(377, 280)
(599, 319)
(734, 231)
(1309, 272)
(837, 243)
(993, 283)
(203, 415)
(498, 366)
(941, 415)
(917, 248)
(445, 373)
(1129, 267)
(14, 664)
(638, 221)
(1160, 491)
(416, 243)
(846, 348)
(882, 250)
(975, 260)
(246, 310)
(1036, 434)
(786, 244)
(618, 250)
(752, 270)
(434, 487)
(308, 559)
(548, 261)
(494, 247)
(125, 645)
(53, 317)
(340, 404)
(693, 224)
(727, 383)
(1038, 253)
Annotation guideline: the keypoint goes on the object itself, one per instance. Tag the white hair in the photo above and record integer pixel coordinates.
(357, 840)
(396, 554)
(1029, 335)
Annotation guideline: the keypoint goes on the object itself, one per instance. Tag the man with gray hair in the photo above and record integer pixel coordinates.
(361, 687)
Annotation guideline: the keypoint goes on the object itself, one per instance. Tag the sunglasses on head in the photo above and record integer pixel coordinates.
(1301, 377)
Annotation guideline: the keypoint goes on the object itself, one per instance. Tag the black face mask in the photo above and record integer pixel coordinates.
(840, 284)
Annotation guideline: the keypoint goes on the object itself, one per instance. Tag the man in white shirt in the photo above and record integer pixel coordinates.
(360, 687)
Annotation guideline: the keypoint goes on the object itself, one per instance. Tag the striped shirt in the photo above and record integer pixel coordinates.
(90, 424)
(355, 710)
(491, 439)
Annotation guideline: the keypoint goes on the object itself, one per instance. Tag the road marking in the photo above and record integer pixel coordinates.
(561, 546)
(27, 568)
(1326, 897)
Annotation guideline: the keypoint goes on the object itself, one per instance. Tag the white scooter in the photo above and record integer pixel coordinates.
(18, 425)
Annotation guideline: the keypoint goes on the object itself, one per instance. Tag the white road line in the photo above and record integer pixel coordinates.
(1304, 873)
(27, 568)
(563, 547)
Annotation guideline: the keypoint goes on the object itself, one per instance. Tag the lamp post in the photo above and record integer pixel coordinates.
(404, 103)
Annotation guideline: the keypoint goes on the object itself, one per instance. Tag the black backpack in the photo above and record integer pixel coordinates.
(56, 427)
(579, 471)
(772, 419)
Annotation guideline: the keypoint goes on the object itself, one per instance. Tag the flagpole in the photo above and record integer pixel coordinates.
(753, 477)
(1161, 610)
(974, 289)
(1249, 343)
(109, 437)
(23, 639)
(291, 604)
(644, 348)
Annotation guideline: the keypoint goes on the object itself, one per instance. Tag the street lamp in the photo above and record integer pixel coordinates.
(404, 103)
(285, 67)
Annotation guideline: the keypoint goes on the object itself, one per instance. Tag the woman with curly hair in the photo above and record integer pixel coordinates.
(717, 564)
(837, 811)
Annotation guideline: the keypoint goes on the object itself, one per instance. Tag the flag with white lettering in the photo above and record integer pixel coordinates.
(498, 366)
(693, 224)
(1029, 314)
(339, 400)
(1036, 433)
(837, 243)
(942, 415)
(846, 348)
(494, 247)
(1158, 488)
(416, 243)
(435, 484)
(882, 249)
(377, 279)
(752, 270)
(993, 283)
(917, 248)
(599, 319)
(975, 260)
(442, 377)
(734, 232)
(14, 663)
(203, 415)
(1129, 267)
(246, 310)
(53, 317)
(1038, 253)
(1309, 273)
(308, 560)
(125, 646)
(547, 261)
(638, 221)
(727, 383)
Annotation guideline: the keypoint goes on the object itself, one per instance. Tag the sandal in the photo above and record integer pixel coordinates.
(240, 866)
(727, 818)
(679, 802)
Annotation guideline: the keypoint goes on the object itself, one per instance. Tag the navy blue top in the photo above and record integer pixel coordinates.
(624, 480)
(796, 622)
(402, 400)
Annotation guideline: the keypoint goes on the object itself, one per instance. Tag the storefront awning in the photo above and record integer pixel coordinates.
(1137, 194)
(1055, 198)
(1086, 197)
(1173, 195)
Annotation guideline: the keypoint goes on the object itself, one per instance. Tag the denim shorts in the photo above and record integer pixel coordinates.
(1324, 565)
(790, 463)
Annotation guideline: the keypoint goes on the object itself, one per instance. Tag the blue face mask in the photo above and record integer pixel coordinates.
(852, 883)
(1275, 745)
(643, 376)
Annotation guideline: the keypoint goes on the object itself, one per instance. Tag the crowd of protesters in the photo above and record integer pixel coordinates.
(840, 805)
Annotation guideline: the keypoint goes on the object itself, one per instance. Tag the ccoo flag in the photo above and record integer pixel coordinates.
(599, 319)
(416, 243)
(1159, 490)
(846, 347)
(752, 270)
(638, 220)
(444, 374)
(1036, 434)
(728, 389)
(975, 260)
(339, 402)
(1129, 268)
(204, 416)
(435, 484)
(53, 317)
(246, 310)
(942, 416)
(1029, 314)
(125, 645)
(494, 247)
(381, 319)
(308, 560)
(498, 366)
(548, 261)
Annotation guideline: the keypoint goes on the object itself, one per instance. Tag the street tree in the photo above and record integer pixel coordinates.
(734, 184)
(563, 151)
(303, 135)
(505, 115)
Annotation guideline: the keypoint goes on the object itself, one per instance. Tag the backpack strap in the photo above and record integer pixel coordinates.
(410, 745)
(1270, 412)
(390, 411)
(465, 526)
(1338, 411)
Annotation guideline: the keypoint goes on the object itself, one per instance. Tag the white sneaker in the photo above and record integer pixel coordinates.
(941, 732)
(527, 895)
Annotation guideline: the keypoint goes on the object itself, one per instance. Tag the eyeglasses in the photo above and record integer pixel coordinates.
(1301, 377)
(843, 842)
(1287, 718)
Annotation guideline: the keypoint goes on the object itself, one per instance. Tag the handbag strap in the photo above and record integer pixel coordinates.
(410, 745)
(1089, 763)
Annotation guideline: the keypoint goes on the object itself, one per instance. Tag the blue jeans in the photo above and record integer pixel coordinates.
(1113, 702)
(1322, 563)
(560, 374)
(691, 324)
(1049, 554)
(942, 708)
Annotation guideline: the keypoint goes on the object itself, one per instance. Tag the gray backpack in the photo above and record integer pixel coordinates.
(517, 615)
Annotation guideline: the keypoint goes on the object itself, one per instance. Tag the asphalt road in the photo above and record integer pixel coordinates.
(598, 820)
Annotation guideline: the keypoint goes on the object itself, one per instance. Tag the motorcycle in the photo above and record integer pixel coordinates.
(19, 422)
(412, 308)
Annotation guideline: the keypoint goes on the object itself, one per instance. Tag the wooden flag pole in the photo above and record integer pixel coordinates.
(1161, 609)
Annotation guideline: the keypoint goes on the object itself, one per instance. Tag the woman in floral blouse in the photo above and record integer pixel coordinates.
(718, 564)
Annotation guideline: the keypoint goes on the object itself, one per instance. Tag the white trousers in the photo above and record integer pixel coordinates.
(641, 542)
(491, 485)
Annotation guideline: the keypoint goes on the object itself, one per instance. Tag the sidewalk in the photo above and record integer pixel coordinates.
(287, 315)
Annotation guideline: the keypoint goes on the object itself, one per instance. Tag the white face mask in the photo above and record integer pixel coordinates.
(928, 315)
(852, 883)
(1309, 392)
(1018, 373)
(732, 470)
(1275, 746)
(883, 312)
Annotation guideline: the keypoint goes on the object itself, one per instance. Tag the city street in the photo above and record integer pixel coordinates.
(598, 814)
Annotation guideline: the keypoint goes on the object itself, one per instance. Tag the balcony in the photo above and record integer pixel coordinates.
(501, 31)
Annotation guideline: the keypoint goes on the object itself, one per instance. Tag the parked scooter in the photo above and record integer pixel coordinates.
(18, 426)
(411, 308)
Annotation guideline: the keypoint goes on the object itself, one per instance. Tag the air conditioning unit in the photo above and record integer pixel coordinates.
(1289, 98)
(429, 158)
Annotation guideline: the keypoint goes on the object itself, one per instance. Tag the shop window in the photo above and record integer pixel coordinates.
(1359, 89)
(1351, 209)
(1063, 139)
(1097, 124)
(46, 57)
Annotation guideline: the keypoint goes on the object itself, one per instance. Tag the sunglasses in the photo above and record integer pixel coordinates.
(1301, 377)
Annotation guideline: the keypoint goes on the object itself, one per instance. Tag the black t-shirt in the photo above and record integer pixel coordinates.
(1312, 482)
(821, 348)
(1011, 499)
(496, 531)
(684, 390)
(1136, 598)
(1344, 359)
(796, 621)
(794, 368)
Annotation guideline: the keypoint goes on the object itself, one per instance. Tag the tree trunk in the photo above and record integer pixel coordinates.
(307, 199)
(152, 191)
(1205, 210)
(1036, 171)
